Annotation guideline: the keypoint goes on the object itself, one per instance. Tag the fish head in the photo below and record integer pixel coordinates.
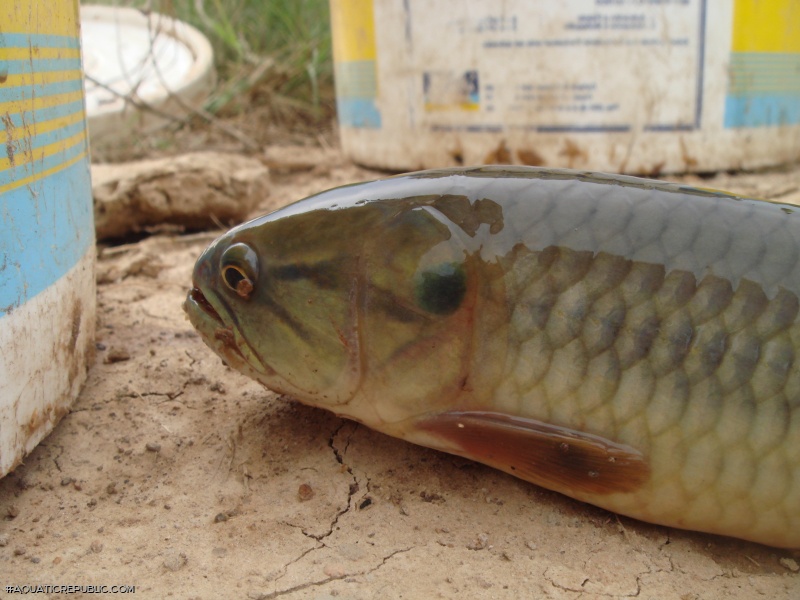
(361, 306)
(275, 299)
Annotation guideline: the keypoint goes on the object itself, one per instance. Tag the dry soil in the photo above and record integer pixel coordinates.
(184, 479)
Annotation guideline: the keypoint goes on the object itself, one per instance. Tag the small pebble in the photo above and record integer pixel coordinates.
(530, 545)
(36, 560)
(220, 518)
(790, 564)
(334, 570)
(3, 540)
(480, 543)
(19, 551)
(12, 512)
(96, 547)
(431, 497)
(305, 492)
(116, 355)
(153, 447)
(67, 480)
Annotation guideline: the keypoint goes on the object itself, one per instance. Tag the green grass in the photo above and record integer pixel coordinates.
(275, 53)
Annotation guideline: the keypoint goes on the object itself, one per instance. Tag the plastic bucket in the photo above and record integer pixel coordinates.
(612, 85)
(47, 290)
(157, 61)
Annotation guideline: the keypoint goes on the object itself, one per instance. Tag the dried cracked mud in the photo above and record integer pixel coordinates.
(184, 479)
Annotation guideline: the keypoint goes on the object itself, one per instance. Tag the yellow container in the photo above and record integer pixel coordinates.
(47, 292)
(611, 85)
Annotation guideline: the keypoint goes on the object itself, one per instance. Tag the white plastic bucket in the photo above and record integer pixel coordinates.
(614, 85)
(47, 291)
(151, 59)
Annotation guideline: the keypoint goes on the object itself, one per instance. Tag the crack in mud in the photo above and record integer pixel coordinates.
(302, 555)
(321, 582)
(353, 488)
(581, 590)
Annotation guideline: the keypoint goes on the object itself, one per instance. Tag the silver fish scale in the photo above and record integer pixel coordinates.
(666, 321)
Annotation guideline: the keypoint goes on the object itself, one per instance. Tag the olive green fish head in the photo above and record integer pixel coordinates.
(278, 304)
(356, 304)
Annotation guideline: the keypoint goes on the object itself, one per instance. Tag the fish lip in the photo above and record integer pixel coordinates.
(209, 322)
(196, 295)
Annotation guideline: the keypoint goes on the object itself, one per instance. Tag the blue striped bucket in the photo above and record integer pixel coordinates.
(47, 293)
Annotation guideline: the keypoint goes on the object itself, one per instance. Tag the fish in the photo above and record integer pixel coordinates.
(630, 343)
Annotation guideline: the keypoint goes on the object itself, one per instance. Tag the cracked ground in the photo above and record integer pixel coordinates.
(181, 477)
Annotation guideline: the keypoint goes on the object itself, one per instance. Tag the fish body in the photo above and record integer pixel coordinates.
(630, 343)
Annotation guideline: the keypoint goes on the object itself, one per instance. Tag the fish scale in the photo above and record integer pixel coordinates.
(630, 343)
(647, 354)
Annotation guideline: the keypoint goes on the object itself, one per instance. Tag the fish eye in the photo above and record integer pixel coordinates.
(239, 267)
(441, 289)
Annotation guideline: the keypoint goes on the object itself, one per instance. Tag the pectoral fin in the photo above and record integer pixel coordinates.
(554, 457)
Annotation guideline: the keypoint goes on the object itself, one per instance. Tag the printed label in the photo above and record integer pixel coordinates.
(575, 65)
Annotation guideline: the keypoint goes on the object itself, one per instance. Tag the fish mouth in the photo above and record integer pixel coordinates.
(212, 327)
(197, 296)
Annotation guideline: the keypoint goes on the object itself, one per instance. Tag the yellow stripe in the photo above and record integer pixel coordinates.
(42, 174)
(36, 52)
(353, 28)
(30, 104)
(47, 17)
(24, 158)
(41, 78)
(766, 26)
(775, 88)
(38, 127)
(434, 107)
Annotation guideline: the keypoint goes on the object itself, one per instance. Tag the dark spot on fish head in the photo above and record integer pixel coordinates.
(441, 289)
